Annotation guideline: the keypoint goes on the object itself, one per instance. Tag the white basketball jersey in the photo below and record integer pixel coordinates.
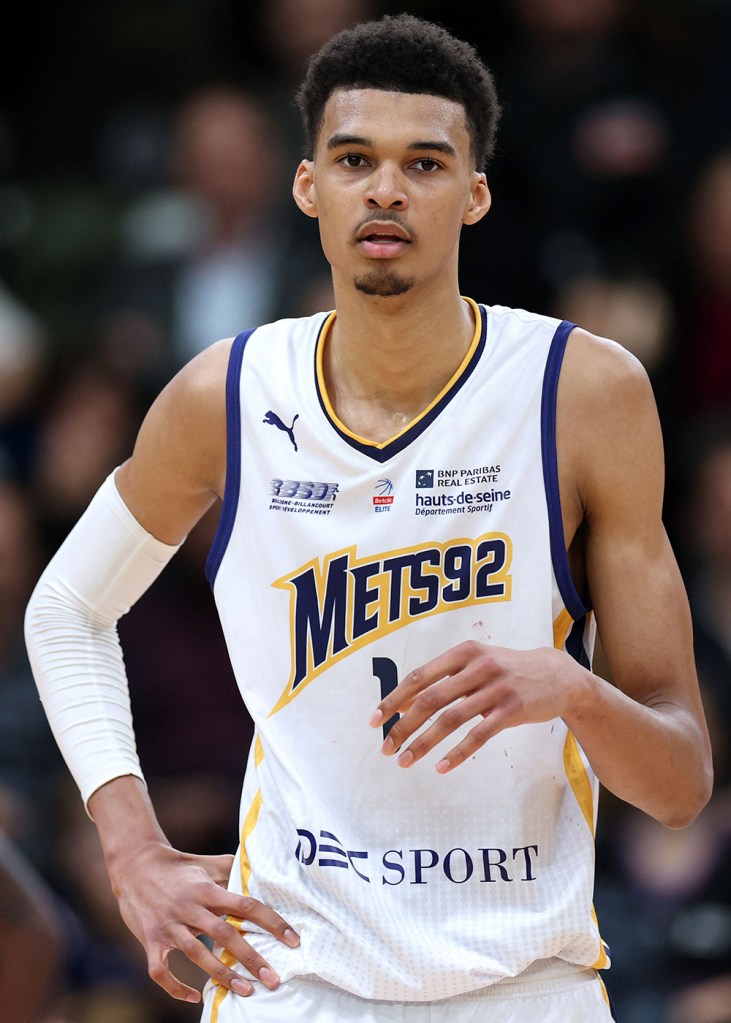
(341, 564)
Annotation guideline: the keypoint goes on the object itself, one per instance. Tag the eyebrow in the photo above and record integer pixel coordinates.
(341, 139)
(439, 147)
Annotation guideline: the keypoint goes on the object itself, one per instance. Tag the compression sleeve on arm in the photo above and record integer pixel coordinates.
(105, 564)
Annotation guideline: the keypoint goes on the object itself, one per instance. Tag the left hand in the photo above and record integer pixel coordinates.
(502, 687)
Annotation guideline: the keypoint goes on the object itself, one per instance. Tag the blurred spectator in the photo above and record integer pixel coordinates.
(707, 1002)
(29, 759)
(666, 896)
(701, 476)
(209, 254)
(703, 375)
(638, 313)
(30, 940)
(22, 356)
(21, 352)
(86, 428)
(587, 141)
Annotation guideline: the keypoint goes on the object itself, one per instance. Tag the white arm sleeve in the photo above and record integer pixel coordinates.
(104, 566)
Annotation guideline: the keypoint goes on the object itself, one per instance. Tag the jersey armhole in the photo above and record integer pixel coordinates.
(233, 457)
(559, 556)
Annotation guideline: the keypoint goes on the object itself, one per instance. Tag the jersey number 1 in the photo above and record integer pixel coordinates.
(386, 672)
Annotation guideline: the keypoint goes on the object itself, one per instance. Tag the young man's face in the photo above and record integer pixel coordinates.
(392, 182)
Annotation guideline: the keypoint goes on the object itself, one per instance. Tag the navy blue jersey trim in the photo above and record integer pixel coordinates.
(572, 601)
(401, 442)
(575, 643)
(233, 457)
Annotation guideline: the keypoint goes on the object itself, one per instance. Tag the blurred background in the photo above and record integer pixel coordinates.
(146, 153)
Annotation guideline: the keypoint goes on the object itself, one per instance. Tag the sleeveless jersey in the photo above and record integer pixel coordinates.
(339, 565)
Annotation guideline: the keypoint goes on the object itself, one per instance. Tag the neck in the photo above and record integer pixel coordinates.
(387, 359)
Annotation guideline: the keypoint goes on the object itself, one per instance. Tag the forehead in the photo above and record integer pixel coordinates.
(394, 117)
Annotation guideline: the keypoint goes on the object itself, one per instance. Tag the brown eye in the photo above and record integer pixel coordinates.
(428, 165)
(352, 160)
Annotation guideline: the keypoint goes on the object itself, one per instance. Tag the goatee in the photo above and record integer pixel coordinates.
(383, 283)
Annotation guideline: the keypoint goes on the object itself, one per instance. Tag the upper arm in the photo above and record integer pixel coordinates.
(613, 445)
(178, 465)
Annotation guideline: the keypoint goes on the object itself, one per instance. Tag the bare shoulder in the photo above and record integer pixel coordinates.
(202, 381)
(178, 466)
(190, 412)
(607, 422)
(599, 370)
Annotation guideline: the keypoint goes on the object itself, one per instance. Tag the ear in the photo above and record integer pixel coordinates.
(303, 188)
(480, 199)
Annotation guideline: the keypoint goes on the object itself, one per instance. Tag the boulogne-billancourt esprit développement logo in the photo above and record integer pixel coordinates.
(310, 497)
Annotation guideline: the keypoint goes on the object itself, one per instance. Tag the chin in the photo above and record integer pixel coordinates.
(383, 283)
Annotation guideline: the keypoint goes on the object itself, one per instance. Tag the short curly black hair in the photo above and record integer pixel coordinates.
(403, 53)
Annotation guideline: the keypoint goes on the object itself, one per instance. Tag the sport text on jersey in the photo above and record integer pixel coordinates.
(420, 866)
(343, 603)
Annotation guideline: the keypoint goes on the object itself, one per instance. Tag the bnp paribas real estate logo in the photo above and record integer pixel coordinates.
(424, 479)
(383, 497)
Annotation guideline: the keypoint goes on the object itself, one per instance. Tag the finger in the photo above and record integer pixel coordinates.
(449, 721)
(158, 970)
(450, 663)
(227, 935)
(477, 676)
(476, 738)
(244, 908)
(423, 707)
(410, 686)
(219, 967)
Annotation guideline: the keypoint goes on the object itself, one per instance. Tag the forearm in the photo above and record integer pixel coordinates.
(126, 823)
(167, 897)
(654, 755)
(102, 568)
(79, 671)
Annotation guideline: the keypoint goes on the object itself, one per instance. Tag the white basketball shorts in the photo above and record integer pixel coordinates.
(566, 996)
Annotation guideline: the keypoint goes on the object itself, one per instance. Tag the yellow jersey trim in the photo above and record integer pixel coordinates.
(380, 445)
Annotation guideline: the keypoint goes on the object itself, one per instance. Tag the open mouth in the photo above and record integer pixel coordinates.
(383, 231)
(382, 241)
(390, 239)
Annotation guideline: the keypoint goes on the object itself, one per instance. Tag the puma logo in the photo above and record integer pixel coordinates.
(272, 419)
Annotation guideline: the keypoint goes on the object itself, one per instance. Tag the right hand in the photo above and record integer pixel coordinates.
(167, 898)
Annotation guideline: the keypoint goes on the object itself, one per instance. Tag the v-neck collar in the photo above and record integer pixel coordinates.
(381, 451)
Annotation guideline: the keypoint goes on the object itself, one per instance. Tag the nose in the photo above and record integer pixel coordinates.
(386, 188)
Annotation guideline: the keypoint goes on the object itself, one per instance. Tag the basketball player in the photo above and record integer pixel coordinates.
(428, 506)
